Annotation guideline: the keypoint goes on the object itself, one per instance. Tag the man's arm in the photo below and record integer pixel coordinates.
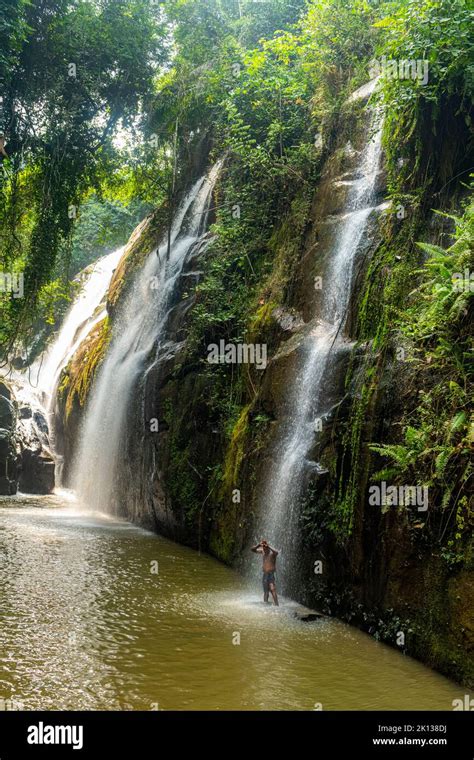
(273, 551)
(257, 549)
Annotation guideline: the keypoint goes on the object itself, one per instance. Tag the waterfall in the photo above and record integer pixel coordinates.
(35, 386)
(82, 316)
(138, 337)
(296, 434)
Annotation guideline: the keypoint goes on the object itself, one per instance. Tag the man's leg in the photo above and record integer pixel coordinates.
(265, 589)
(274, 594)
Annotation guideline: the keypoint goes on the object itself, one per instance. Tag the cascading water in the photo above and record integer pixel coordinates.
(139, 332)
(284, 483)
(83, 315)
(35, 386)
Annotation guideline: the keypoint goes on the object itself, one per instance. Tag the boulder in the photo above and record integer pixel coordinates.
(7, 487)
(35, 463)
(5, 446)
(5, 390)
(36, 472)
(25, 459)
(40, 422)
(7, 462)
(7, 413)
(306, 615)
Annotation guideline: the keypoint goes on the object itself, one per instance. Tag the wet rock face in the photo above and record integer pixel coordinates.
(8, 472)
(36, 473)
(35, 462)
(26, 463)
(7, 413)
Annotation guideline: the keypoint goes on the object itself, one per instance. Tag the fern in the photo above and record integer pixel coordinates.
(441, 461)
(446, 498)
(456, 424)
(401, 455)
(434, 250)
(386, 474)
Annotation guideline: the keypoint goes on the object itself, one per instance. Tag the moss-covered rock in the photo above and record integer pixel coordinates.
(145, 238)
(73, 390)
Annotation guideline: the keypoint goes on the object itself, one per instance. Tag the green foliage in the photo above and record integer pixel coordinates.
(437, 434)
(59, 123)
(13, 30)
(338, 40)
(78, 376)
(102, 226)
(420, 116)
(236, 450)
(438, 31)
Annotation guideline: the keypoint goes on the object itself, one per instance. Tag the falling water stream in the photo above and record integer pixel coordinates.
(84, 314)
(99, 614)
(138, 334)
(280, 501)
(36, 385)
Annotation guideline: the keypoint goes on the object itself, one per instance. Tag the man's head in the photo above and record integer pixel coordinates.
(264, 545)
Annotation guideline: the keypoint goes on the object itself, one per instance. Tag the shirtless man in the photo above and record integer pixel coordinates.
(269, 567)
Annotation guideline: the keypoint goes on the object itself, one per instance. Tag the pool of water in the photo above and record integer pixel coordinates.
(99, 614)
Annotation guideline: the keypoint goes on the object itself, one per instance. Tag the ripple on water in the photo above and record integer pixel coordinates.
(85, 624)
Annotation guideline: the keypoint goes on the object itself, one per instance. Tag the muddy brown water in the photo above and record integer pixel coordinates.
(99, 614)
